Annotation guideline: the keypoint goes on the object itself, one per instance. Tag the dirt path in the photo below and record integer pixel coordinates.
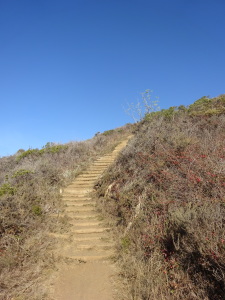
(87, 247)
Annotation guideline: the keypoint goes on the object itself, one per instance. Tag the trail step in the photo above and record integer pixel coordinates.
(80, 206)
(99, 237)
(74, 198)
(86, 223)
(86, 258)
(100, 247)
(75, 203)
(90, 230)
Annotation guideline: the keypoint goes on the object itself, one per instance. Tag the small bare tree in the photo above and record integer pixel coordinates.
(143, 107)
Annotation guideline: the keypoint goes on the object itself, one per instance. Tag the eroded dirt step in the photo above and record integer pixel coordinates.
(96, 237)
(93, 247)
(93, 175)
(92, 242)
(70, 200)
(78, 197)
(90, 175)
(100, 165)
(78, 193)
(83, 219)
(72, 210)
(79, 211)
(105, 158)
(103, 163)
(84, 222)
(77, 190)
(92, 239)
(85, 181)
(100, 256)
(73, 204)
(98, 168)
(87, 184)
(85, 214)
(80, 183)
(89, 230)
(77, 215)
(79, 203)
(75, 198)
(86, 217)
(84, 178)
(76, 201)
(75, 253)
(73, 201)
(88, 225)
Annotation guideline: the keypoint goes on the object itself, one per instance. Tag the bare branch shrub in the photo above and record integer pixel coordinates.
(137, 111)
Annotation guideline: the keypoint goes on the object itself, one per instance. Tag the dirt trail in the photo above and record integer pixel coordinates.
(87, 247)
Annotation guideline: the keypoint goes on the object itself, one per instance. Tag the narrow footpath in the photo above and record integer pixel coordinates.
(88, 246)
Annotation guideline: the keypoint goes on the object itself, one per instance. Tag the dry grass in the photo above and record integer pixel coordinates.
(166, 196)
(29, 194)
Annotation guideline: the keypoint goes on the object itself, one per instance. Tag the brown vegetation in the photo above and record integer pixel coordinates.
(29, 194)
(166, 196)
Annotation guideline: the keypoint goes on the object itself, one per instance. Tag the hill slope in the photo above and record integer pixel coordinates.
(30, 182)
(166, 197)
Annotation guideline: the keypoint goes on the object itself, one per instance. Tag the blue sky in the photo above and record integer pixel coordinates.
(68, 67)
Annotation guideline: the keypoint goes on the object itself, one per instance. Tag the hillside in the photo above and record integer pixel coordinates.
(30, 183)
(165, 196)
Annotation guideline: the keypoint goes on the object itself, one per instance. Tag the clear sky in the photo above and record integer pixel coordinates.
(68, 67)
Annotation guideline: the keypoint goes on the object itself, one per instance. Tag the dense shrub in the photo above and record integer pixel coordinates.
(166, 195)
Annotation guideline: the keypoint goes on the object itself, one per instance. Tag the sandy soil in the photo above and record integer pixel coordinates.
(88, 281)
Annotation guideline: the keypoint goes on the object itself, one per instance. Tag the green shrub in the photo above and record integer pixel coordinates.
(125, 243)
(36, 152)
(36, 209)
(6, 188)
(56, 148)
(29, 152)
(21, 172)
(208, 106)
(108, 132)
(204, 106)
